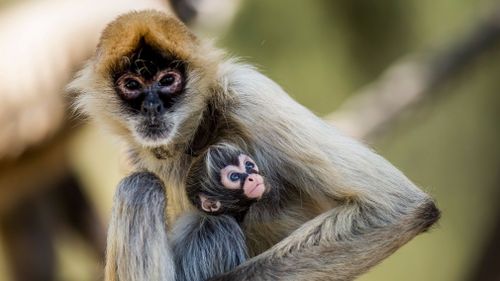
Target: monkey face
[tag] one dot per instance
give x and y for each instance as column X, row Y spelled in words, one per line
column 225, row 180
column 244, row 176
column 149, row 80
column 237, row 186
column 150, row 88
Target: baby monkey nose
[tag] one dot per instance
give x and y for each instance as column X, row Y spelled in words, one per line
column 252, row 178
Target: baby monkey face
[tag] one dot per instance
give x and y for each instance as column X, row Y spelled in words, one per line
column 235, row 185
column 244, row 176
column 226, row 180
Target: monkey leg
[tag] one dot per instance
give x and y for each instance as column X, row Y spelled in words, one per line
column 137, row 247
column 339, row 244
column 206, row 245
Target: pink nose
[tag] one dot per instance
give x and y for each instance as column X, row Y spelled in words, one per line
column 252, row 178
column 254, row 186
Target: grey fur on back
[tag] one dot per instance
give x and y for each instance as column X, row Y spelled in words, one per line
column 206, row 245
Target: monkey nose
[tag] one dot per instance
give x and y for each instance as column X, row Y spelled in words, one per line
column 152, row 106
column 252, row 178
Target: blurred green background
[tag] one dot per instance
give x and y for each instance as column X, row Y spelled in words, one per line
column 323, row 51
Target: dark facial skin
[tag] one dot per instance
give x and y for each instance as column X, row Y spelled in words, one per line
column 151, row 95
column 149, row 87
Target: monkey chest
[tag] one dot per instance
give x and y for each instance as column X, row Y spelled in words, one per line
column 177, row 201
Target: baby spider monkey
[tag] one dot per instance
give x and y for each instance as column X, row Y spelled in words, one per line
column 223, row 183
column 225, row 180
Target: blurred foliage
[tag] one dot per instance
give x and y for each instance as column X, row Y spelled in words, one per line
column 322, row 51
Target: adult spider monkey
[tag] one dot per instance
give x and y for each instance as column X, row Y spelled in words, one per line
column 341, row 207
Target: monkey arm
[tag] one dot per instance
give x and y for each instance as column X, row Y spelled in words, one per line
column 371, row 222
column 345, row 241
column 313, row 252
column 206, row 245
column 378, row 208
column 138, row 248
column 137, row 237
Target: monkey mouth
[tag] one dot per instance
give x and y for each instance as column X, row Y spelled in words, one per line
column 256, row 192
column 154, row 131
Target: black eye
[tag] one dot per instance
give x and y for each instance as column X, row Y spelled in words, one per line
column 234, row 177
column 170, row 81
column 132, row 84
column 167, row 80
column 249, row 165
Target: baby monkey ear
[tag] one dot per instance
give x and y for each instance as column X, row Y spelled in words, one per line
column 209, row 205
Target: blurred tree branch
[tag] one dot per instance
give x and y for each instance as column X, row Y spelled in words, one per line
column 409, row 81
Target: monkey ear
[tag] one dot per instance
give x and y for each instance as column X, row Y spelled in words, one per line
column 209, row 205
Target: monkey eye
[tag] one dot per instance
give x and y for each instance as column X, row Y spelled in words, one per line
column 132, row 84
column 167, row 80
column 129, row 86
column 249, row 165
column 170, row 81
column 234, row 177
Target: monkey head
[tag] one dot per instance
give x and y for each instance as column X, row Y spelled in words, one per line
column 148, row 80
column 225, row 180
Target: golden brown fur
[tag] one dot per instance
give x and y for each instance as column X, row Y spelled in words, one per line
column 341, row 208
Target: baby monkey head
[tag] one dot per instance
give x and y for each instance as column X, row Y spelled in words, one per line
column 225, row 180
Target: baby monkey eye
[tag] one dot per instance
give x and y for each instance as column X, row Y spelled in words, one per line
column 249, row 165
column 234, row 177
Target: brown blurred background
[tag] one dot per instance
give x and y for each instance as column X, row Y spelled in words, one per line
column 57, row 175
